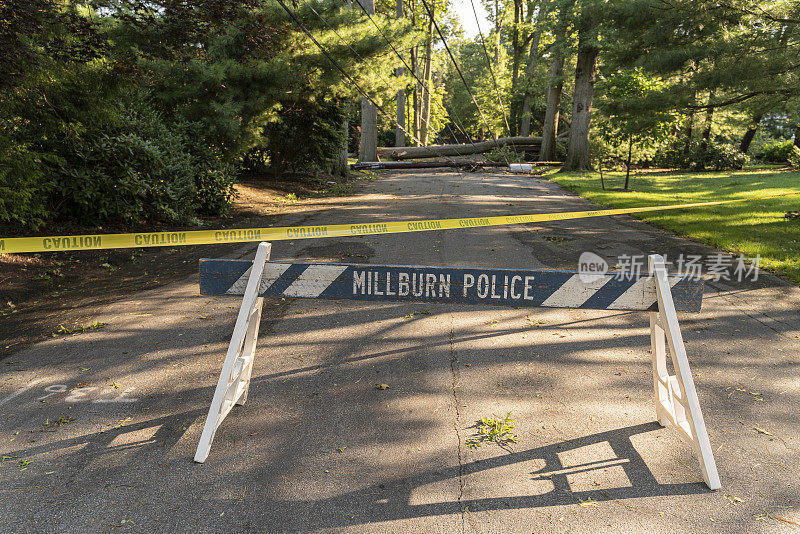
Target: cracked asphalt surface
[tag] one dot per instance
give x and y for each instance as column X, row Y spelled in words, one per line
column 98, row 430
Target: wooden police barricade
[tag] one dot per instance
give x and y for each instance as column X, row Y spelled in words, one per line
column 658, row 293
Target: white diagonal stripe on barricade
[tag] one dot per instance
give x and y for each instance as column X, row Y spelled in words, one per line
column 574, row 292
column 237, row 288
column 642, row 292
column 272, row 271
column 314, row 280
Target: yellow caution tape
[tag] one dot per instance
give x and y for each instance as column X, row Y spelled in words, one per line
column 242, row 235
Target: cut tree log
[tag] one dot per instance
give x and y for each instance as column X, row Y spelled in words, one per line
column 433, row 151
column 376, row 165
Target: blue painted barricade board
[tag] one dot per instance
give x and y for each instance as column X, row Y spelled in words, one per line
column 455, row 285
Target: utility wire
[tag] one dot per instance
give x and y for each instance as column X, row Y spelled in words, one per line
column 351, row 80
column 411, row 71
column 461, row 75
column 489, row 64
column 359, row 56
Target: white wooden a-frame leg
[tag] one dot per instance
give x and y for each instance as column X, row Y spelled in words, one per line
column 675, row 395
column 234, row 380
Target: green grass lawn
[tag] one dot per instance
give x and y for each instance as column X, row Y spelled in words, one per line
column 750, row 228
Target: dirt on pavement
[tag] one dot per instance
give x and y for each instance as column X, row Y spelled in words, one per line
column 43, row 294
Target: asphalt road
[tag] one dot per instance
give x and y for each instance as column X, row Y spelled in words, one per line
column 98, row 430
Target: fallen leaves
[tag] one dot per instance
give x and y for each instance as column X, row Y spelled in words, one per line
column 61, row 421
column 382, row 386
column 734, row 500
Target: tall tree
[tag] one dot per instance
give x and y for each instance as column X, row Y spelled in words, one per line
column 427, row 77
column 368, row 149
column 533, row 39
column 555, row 85
column 585, row 72
column 748, row 136
column 399, row 133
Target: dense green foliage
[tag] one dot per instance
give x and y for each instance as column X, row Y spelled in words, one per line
column 146, row 111
column 707, row 76
column 139, row 110
column 697, row 157
column 303, row 138
column 776, row 152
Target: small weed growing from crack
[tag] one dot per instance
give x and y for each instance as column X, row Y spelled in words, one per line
column 66, row 330
column 493, row 430
column 61, row 421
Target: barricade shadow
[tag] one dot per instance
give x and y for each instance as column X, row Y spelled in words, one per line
column 392, row 499
column 88, row 448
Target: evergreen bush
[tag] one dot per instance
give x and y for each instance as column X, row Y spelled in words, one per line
column 23, row 187
column 775, row 152
column 305, row 137
column 716, row 156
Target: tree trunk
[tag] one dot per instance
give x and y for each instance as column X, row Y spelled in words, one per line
column 525, row 114
column 399, row 132
column 744, row 146
column 427, row 78
column 498, row 24
column 529, row 143
column 585, row 70
column 340, row 165
column 688, row 131
column 600, row 168
column 709, row 121
column 368, row 150
column 516, row 58
column 628, row 163
column 417, row 91
column 554, row 88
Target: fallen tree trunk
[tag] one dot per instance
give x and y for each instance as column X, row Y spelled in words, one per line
column 376, row 165
column 434, row 151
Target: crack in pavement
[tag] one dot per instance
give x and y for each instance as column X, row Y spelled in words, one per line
column 457, row 426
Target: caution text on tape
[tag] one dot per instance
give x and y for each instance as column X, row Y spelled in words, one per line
column 243, row 235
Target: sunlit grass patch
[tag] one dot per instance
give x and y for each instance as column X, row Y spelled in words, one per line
column 756, row 228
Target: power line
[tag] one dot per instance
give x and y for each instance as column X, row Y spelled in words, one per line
column 359, row 56
column 350, row 78
column 411, row 71
column 489, row 64
column 460, row 74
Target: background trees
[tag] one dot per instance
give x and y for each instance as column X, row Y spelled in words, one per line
column 133, row 110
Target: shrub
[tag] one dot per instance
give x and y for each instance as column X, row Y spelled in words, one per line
column 23, row 188
column 718, row 157
column 505, row 154
column 144, row 169
column 673, row 155
column 794, row 157
column 561, row 150
column 303, row 138
column 775, row 152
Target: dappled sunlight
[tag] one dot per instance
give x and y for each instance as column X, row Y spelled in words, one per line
column 320, row 443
